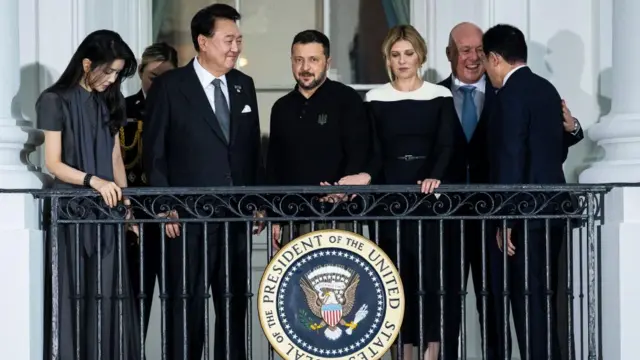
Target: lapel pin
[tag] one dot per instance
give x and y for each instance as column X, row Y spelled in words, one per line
column 238, row 88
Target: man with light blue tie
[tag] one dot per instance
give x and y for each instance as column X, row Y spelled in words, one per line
column 473, row 97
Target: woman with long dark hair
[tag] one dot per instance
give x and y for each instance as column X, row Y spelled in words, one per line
column 80, row 115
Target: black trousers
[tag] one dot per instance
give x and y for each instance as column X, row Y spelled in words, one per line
column 145, row 270
column 471, row 237
column 187, row 300
column 537, row 283
column 409, row 266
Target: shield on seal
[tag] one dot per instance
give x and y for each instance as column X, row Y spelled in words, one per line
column 331, row 314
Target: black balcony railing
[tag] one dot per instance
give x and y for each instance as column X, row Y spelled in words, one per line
column 101, row 276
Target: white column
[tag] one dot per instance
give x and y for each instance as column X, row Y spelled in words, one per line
column 21, row 250
column 620, row 268
column 619, row 132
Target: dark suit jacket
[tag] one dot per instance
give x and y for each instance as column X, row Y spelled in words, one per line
column 183, row 142
column 475, row 152
column 527, row 143
column 130, row 136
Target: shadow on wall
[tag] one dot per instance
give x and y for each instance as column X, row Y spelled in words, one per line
column 33, row 79
column 562, row 62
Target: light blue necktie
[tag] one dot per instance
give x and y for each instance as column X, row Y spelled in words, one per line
column 469, row 111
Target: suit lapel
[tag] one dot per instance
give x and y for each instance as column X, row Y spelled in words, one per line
column 235, row 101
column 194, row 92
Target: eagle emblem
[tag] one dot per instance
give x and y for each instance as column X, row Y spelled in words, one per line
column 330, row 293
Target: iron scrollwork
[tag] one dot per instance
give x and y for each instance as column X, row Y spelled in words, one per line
column 358, row 203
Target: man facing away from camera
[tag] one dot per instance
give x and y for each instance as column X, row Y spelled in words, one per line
column 528, row 146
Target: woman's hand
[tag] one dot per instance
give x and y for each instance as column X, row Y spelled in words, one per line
column 111, row 193
column 428, row 185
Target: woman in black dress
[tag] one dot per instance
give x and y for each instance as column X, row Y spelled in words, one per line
column 80, row 115
column 156, row 59
column 414, row 125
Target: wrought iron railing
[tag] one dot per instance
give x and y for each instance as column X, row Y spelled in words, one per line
column 98, row 298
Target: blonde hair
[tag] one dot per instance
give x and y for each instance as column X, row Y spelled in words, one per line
column 407, row 33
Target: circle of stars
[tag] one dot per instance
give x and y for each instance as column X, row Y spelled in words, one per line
column 380, row 301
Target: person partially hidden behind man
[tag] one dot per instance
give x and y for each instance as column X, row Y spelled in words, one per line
column 319, row 131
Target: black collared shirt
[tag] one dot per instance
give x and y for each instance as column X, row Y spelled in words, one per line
column 322, row 138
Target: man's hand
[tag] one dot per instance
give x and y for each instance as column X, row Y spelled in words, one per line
column 511, row 250
column 569, row 122
column 276, row 232
column 172, row 229
column 132, row 226
column 357, row 179
column 349, row 180
column 258, row 225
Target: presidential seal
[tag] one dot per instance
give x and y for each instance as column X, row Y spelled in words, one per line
column 331, row 294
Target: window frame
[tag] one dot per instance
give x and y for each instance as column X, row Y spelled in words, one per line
column 419, row 15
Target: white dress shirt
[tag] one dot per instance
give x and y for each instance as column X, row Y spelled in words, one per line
column 206, row 80
column 506, row 77
column 458, row 96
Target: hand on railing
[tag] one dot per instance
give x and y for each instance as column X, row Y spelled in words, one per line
column 428, row 185
column 172, row 229
column 511, row 249
column 111, row 193
column 357, row 179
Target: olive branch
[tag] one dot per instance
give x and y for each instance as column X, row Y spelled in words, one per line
column 305, row 319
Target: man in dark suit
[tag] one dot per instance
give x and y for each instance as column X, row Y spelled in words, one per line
column 473, row 97
column 527, row 146
column 203, row 130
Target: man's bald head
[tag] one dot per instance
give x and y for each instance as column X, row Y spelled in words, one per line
column 463, row 52
column 464, row 29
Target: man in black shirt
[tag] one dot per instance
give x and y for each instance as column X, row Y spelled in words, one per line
column 319, row 131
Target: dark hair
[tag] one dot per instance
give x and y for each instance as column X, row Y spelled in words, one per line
column 204, row 21
column 159, row 52
column 313, row 36
column 507, row 41
column 102, row 47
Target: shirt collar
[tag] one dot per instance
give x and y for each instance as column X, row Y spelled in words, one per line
column 504, row 82
column 323, row 85
column 479, row 85
column 205, row 76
